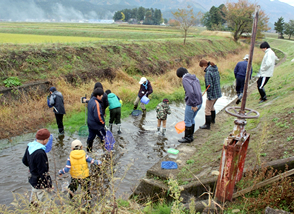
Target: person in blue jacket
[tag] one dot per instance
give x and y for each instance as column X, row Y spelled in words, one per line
column 145, row 90
column 240, row 75
column 96, row 122
column 115, row 110
column 193, row 99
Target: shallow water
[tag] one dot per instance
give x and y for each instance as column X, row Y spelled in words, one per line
column 139, row 146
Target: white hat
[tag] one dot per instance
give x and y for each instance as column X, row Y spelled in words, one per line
column 142, row 80
column 246, row 56
column 76, row 143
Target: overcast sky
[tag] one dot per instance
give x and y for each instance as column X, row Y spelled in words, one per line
column 291, row 2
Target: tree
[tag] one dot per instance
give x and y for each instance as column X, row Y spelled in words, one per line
column 239, row 17
column 186, row 19
column 289, row 28
column 279, row 27
column 214, row 18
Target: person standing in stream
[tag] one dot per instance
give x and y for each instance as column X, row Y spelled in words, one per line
column 145, row 89
column 193, row 99
column 212, row 83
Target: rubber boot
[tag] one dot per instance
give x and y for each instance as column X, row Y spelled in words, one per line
column 207, row 122
column 144, row 111
column 212, row 116
column 89, row 145
column 158, row 130
column 192, row 132
column 188, row 135
column 135, row 107
column 119, row 129
column 163, row 131
column 110, row 126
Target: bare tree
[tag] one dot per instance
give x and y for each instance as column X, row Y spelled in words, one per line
column 186, row 18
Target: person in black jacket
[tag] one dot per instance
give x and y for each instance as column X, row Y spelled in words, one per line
column 145, row 89
column 96, row 122
column 56, row 101
column 36, row 159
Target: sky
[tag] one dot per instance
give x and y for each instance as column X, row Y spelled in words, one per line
column 291, row 2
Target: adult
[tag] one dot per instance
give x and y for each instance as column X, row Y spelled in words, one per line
column 193, row 99
column 96, row 122
column 266, row 69
column 212, row 83
column 36, row 159
column 240, row 75
column 145, row 90
column 55, row 100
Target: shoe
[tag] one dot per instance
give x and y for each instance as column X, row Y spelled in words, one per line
column 238, row 101
column 261, row 101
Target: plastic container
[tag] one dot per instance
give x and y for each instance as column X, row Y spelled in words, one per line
column 173, row 153
column 145, row 100
column 169, row 165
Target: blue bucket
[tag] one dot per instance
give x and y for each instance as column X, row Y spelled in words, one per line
column 145, row 100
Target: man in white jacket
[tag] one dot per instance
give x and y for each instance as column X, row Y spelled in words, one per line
column 266, row 69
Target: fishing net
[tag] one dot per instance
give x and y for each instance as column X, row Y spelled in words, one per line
column 109, row 141
column 136, row 112
column 83, row 131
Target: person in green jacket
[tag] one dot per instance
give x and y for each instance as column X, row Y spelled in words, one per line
column 115, row 110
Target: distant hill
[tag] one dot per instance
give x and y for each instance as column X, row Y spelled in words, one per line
column 22, row 10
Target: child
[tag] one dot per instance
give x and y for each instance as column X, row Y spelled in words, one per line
column 78, row 168
column 114, row 109
column 162, row 110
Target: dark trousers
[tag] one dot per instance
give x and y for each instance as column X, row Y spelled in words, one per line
column 93, row 132
column 85, row 185
column 261, row 82
column 115, row 115
column 59, row 119
column 240, row 84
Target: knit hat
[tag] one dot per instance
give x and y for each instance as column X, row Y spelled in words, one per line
column 142, row 80
column 76, row 143
column 165, row 100
column 181, row 72
column 246, row 56
column 42, row 134
column 52, row 89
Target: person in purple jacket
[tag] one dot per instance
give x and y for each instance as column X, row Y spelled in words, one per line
column 145, row 89
column 193, row 99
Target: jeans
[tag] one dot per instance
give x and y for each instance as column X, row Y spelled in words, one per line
column 190, row 115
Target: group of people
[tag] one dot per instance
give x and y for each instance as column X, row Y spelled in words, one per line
column 35, row 155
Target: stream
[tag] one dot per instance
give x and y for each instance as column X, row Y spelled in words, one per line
column 139, row 147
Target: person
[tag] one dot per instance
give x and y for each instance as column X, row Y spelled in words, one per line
column 266, row 69
column 162, row 110
column 145, row 90
column 77, row 166
column 212, row 83
column 96, row 122
column 193, row 99
column 55, row 100
column 115, row 110
column 36, row 159
column 240, row 75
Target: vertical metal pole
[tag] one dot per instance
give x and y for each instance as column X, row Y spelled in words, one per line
column 249, row 65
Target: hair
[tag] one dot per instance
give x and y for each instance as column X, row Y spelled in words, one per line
column 204, row 63
column 108, row 91
column 77, row 147
column 98, row 85
column 264, row 45
column 98, row 92
column 181, row 72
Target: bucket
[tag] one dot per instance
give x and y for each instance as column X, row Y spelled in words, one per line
column 145, row 100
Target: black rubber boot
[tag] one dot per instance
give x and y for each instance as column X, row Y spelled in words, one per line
column 212, row 116
column 89, row 145
column 135, row 107
column 188, row 135
column 207, row 122
column 110, row 127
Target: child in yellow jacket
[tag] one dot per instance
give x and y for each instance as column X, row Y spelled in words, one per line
column 78, row 168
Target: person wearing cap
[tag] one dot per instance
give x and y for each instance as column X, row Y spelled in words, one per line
column 55, row 100
column 36, row 159
column 266, row 69
column 193, row 99
column 162, row 110
column 114, row 110
column 212, row 83
column 96, row 122
column 145, row 90
column 240, row 75
column 77, row 166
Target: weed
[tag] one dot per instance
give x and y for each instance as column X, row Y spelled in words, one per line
column 190, row 161
column 290, row 138
column 12, row 81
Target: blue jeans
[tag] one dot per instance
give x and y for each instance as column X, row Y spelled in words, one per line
column 190, row 115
